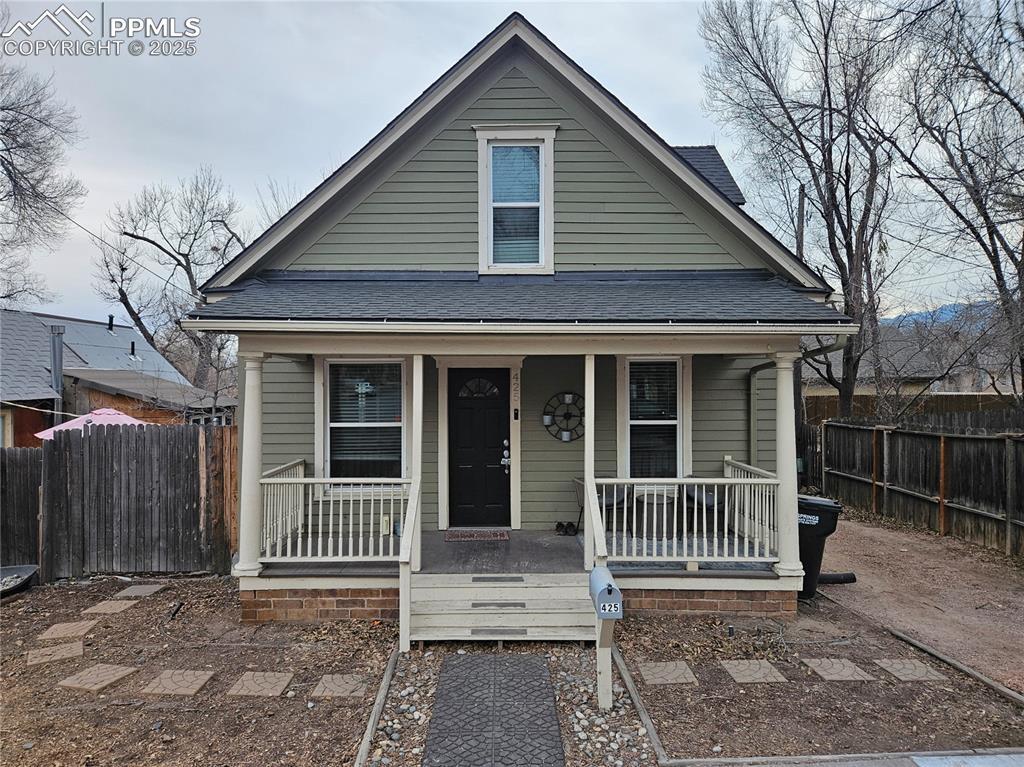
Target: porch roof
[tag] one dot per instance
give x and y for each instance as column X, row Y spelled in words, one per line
column 713, row 297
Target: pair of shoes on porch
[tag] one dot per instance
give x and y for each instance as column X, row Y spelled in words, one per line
column 565, row 528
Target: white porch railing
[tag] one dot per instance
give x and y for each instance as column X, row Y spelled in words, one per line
column 408, row 563
column 331, row 520
column 727, row 519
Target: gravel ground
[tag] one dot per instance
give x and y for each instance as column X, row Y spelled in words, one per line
column 963, row 600
column 591, row 737
column 806, row 715
column 46, row 725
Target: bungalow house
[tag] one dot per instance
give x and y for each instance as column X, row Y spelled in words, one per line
column 516, row 309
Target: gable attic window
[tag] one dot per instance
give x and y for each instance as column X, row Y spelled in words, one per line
column 516, row 180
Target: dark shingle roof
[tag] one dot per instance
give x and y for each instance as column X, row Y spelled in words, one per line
column 24, row 358
column 709, row 163
column 691, row 297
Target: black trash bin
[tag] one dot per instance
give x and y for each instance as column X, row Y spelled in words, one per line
column 817, row 521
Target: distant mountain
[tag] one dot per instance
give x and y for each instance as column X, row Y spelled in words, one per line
column 944, row 313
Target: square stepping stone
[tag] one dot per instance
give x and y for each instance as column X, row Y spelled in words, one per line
column 261, row 684
column 68, row 630
column 109, row 607
column 838, row 670
column 139, row 591
column 178, row 682
column 340, row 686
column 671, row 672
column 54, row 652
column 96, row 678
column 752, row 671
column 910, row 670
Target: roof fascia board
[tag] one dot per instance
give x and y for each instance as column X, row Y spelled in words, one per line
column 516, row 27
column 525, row 328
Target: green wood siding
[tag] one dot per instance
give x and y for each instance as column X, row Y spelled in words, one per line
column 613, row 209
column 721, row 408
column 288, row 425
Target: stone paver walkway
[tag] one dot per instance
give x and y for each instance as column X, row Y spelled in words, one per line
column 910, row 670
column 109, row 607
column 96, row 678
column 178, row 682
column 54, row 652
column 139, row 591
column 494, row 710
column 340, row 686
column 671, row 672
column 261, row 684
column 838, row 670
column 752, row 671
column 68, row 630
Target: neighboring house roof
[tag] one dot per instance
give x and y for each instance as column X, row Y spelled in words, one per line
column 25, row 358
column 169, row 395
column 904, row 355
column 102, row 347
column 93, row 352
column 707, row 161
column 516, row 29
column 740, row 296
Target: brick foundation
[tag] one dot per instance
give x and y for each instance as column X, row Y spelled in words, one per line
column 308, row 605
column 670, row 601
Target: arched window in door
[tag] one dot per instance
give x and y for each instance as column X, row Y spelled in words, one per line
column 478, row 388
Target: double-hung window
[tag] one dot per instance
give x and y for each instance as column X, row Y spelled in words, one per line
column 516, row 219
column 654, row 418
column 365, row 426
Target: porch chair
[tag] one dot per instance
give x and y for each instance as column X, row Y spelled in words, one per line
column 617, row 499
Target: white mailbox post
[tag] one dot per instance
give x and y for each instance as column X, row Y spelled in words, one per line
column 608, row 608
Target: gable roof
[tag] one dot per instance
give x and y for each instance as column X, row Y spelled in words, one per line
column 88, row 345
column 516, row 29
column 708, row 162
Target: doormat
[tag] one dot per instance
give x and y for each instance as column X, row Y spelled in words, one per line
column 475, row 535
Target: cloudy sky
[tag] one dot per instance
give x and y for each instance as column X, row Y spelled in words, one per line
column 289, row 90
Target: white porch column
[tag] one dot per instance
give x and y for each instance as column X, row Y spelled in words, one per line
column 250, row 496
column 785, row 466
column 417, row 452
column 589, row 420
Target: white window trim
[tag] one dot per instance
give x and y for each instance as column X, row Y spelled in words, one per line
column 7, row 438
column 321, row 415
column 542, row 135
column 684, row 411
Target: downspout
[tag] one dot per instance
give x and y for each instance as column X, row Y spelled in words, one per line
column 57, row 370
column 819, row 351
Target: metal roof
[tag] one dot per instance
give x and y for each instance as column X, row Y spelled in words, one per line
column 708, row 162
column 739, row 296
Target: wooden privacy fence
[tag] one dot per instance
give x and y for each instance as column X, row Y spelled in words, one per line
column 21, row 469
column 137, row 499
column 970, row 486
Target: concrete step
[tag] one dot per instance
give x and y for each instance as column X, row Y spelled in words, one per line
column 490, row 634
column 502, row 606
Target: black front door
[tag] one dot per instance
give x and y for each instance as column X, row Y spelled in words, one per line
column 478, row 434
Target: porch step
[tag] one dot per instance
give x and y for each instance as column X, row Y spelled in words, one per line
column 486, row 607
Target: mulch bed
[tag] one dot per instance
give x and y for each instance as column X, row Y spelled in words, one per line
column 46, row 725
column 718, row 717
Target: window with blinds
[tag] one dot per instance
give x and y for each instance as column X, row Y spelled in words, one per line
column 654, row 418
column 365, row 419
column 515, row 204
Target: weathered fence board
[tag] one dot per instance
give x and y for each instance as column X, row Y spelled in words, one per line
column 965, row 485
column 20, row 472
column 136, row 499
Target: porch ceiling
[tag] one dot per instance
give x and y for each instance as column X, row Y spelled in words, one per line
column 696, row 297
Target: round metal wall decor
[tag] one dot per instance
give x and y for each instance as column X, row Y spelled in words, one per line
column 563, row 416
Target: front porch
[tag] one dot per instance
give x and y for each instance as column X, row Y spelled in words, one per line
column 731, row 529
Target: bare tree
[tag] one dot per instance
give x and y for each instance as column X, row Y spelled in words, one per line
column 273, row 199
column 167, row 241
column 796, row 79
column 36, row 193
column 959, row 135
column 19, row 284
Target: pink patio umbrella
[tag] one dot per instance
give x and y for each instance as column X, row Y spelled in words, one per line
column 104, row 416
